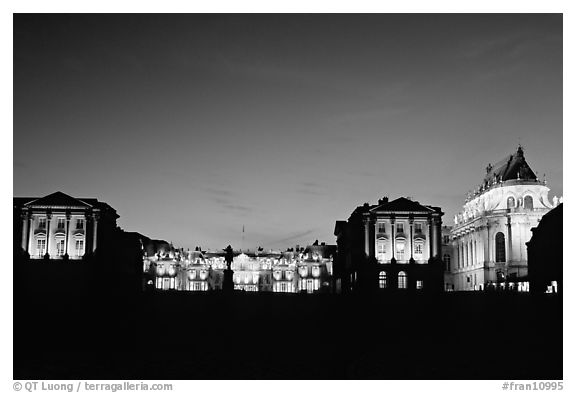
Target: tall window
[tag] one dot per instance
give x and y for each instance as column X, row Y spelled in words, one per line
column 402, row 281
column 510, row 203
column 41, row 246
column 418, row 248
column 42, row 223
column 500, row 247
column 528, row 202
column 80, row 223
column 61, row 223
column 60, row 250
column 418, row 227
column 381, row 227
column 79, row 247
column 399, row 228
column 381, row 248
column 446, row 239
column 400, row 250
column 446, row 259
column 382, row 279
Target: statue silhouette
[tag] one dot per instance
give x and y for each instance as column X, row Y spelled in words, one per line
column 228, row 284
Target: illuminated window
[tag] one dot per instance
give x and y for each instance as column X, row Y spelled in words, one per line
column 79, row 247
column 402, row 280
column 310, row 285
column 41, row 246
column 381, row 227
column 528, row 202
column 400, row 250
column 418, row 228
column 510, row 202
column 80, row 223
column 382, row 280
column 61, row 223
column 42, row 223
column 316, row 271
column 60, row 251
column 382, row 247
column 400, row 228
column 418, row 248
column 500, row 247
column 419, row 284
column 381, row 250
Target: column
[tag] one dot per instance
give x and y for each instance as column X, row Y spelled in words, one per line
column 473, row 244
column 437, row 235
column 95, row 234
column 25, row 224
column 393, row 227
column 48, row 219
column 411, row 223
column 457, row 249
column 67, row 251
column 430, row 239
column 509, row 242
column 366, row 236
column 375, row 247
column 30, row 232
column 488, row 242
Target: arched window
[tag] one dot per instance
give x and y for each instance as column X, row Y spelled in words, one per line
column 500, row 247
column 510, row 203
column 382, row 280
column 528, row 202
column 446, row 259
column 402, row 280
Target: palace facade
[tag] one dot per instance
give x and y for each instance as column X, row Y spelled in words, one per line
column 59, row 226
column 295, row 270
column 392, row 245
column 490, row 233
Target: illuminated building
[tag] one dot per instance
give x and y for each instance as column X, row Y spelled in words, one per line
column 59, row 226
column 392, row 245
column 64, row 244
column 306, row 269
column 315, row 268
column 490, row 233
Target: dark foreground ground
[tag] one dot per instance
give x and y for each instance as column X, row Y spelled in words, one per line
column 271, row 336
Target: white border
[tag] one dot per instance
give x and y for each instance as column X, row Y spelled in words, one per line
column 247, row 6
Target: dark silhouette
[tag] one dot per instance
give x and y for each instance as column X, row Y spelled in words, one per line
column 545, row 252
column 228, row 284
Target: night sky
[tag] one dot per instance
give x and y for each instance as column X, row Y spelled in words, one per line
column 192, row 126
